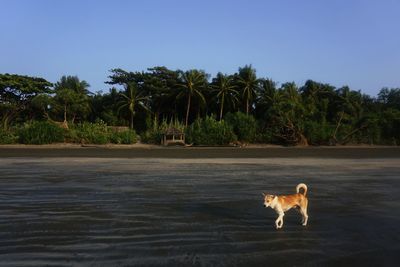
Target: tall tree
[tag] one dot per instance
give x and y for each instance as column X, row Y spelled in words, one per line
column 289, row 115
column 105, row 107
column 225, row 91
column 248, row 85
column 159, row 84
column 43, row 102
column 191, row 84
column 71, row 95
column 348, row 106
column 267, row 95
column 316, row 95
column 131, row 99
column 16, row 94
column 390, row 97
column 122, row 77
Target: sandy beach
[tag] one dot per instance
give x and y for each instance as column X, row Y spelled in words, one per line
column 154, row 151
column 99, row 206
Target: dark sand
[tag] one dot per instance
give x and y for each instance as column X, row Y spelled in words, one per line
column 93, row 151
column 197, row 207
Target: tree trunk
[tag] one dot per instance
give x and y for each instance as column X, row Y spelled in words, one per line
column 46, row 115
column 131, row 124
column 337, row 127
column 348, row 136
column 65, row 113
column 187, row 110
column 302, row 140
column 6, row 120
column 222, row 108
column 247, row 107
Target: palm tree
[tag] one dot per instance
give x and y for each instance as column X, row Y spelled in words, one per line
column 316, row 97
column 225, row 91
column 72, row 94
column 267, row 92
column 131, row 99
column 268, row 96
column 73, row 83
column 66, row 98
column 289, row 113
column 248, row 83
column 192, row 82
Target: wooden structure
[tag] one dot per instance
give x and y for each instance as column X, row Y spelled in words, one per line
column 118, row 129
column 173, row 136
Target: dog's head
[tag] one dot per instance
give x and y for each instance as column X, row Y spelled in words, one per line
column 268, row 200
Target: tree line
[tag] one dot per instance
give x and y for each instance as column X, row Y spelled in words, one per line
column 314, row 113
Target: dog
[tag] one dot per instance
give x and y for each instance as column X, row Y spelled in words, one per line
column 284, row 203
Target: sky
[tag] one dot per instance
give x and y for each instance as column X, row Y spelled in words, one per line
column 341, row 42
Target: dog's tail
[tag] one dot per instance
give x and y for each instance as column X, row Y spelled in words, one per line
column 301, row 186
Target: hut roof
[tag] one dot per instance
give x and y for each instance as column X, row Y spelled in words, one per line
column 173, row 131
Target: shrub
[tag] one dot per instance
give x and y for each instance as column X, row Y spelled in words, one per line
column 318, row 133
column 151, row 136
column 208, row 131
column 90, row 133
column 41, row 132
column 265, row 137
column 244, row 126
column 125, row 137
column 7, row 137
column 390, row 126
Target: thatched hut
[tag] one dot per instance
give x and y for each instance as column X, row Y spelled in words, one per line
column 173, row 136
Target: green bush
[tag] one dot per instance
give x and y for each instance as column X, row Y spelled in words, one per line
column 244, row 126
column 125, row 137
column 151, row 136
column 318, row 133
column 7, row 137
column 41, row 132
column 208, row 131
column 390, row 126
column 90, row 133
column 98, row 133
column 265, row 137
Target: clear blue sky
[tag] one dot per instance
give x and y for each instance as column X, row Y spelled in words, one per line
column 341, row 42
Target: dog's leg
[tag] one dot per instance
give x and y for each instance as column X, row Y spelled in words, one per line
column 303, row 210
column 279, row 221
column 305, row 218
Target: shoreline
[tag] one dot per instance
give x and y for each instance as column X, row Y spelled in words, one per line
column 152, row 146
column 155, row 151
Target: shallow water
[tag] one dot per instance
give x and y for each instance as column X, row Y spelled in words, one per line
column 196, row 212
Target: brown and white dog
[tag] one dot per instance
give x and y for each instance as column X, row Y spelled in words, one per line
column 284, row 203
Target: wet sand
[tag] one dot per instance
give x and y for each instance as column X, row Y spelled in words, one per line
column 150, row 151
column 197, row 209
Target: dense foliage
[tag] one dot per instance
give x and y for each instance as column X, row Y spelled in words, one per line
column 40, row 132
column 211, row 110
column 208, row 131
column 244, row 126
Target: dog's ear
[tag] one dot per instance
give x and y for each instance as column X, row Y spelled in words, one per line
column 263, row 194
